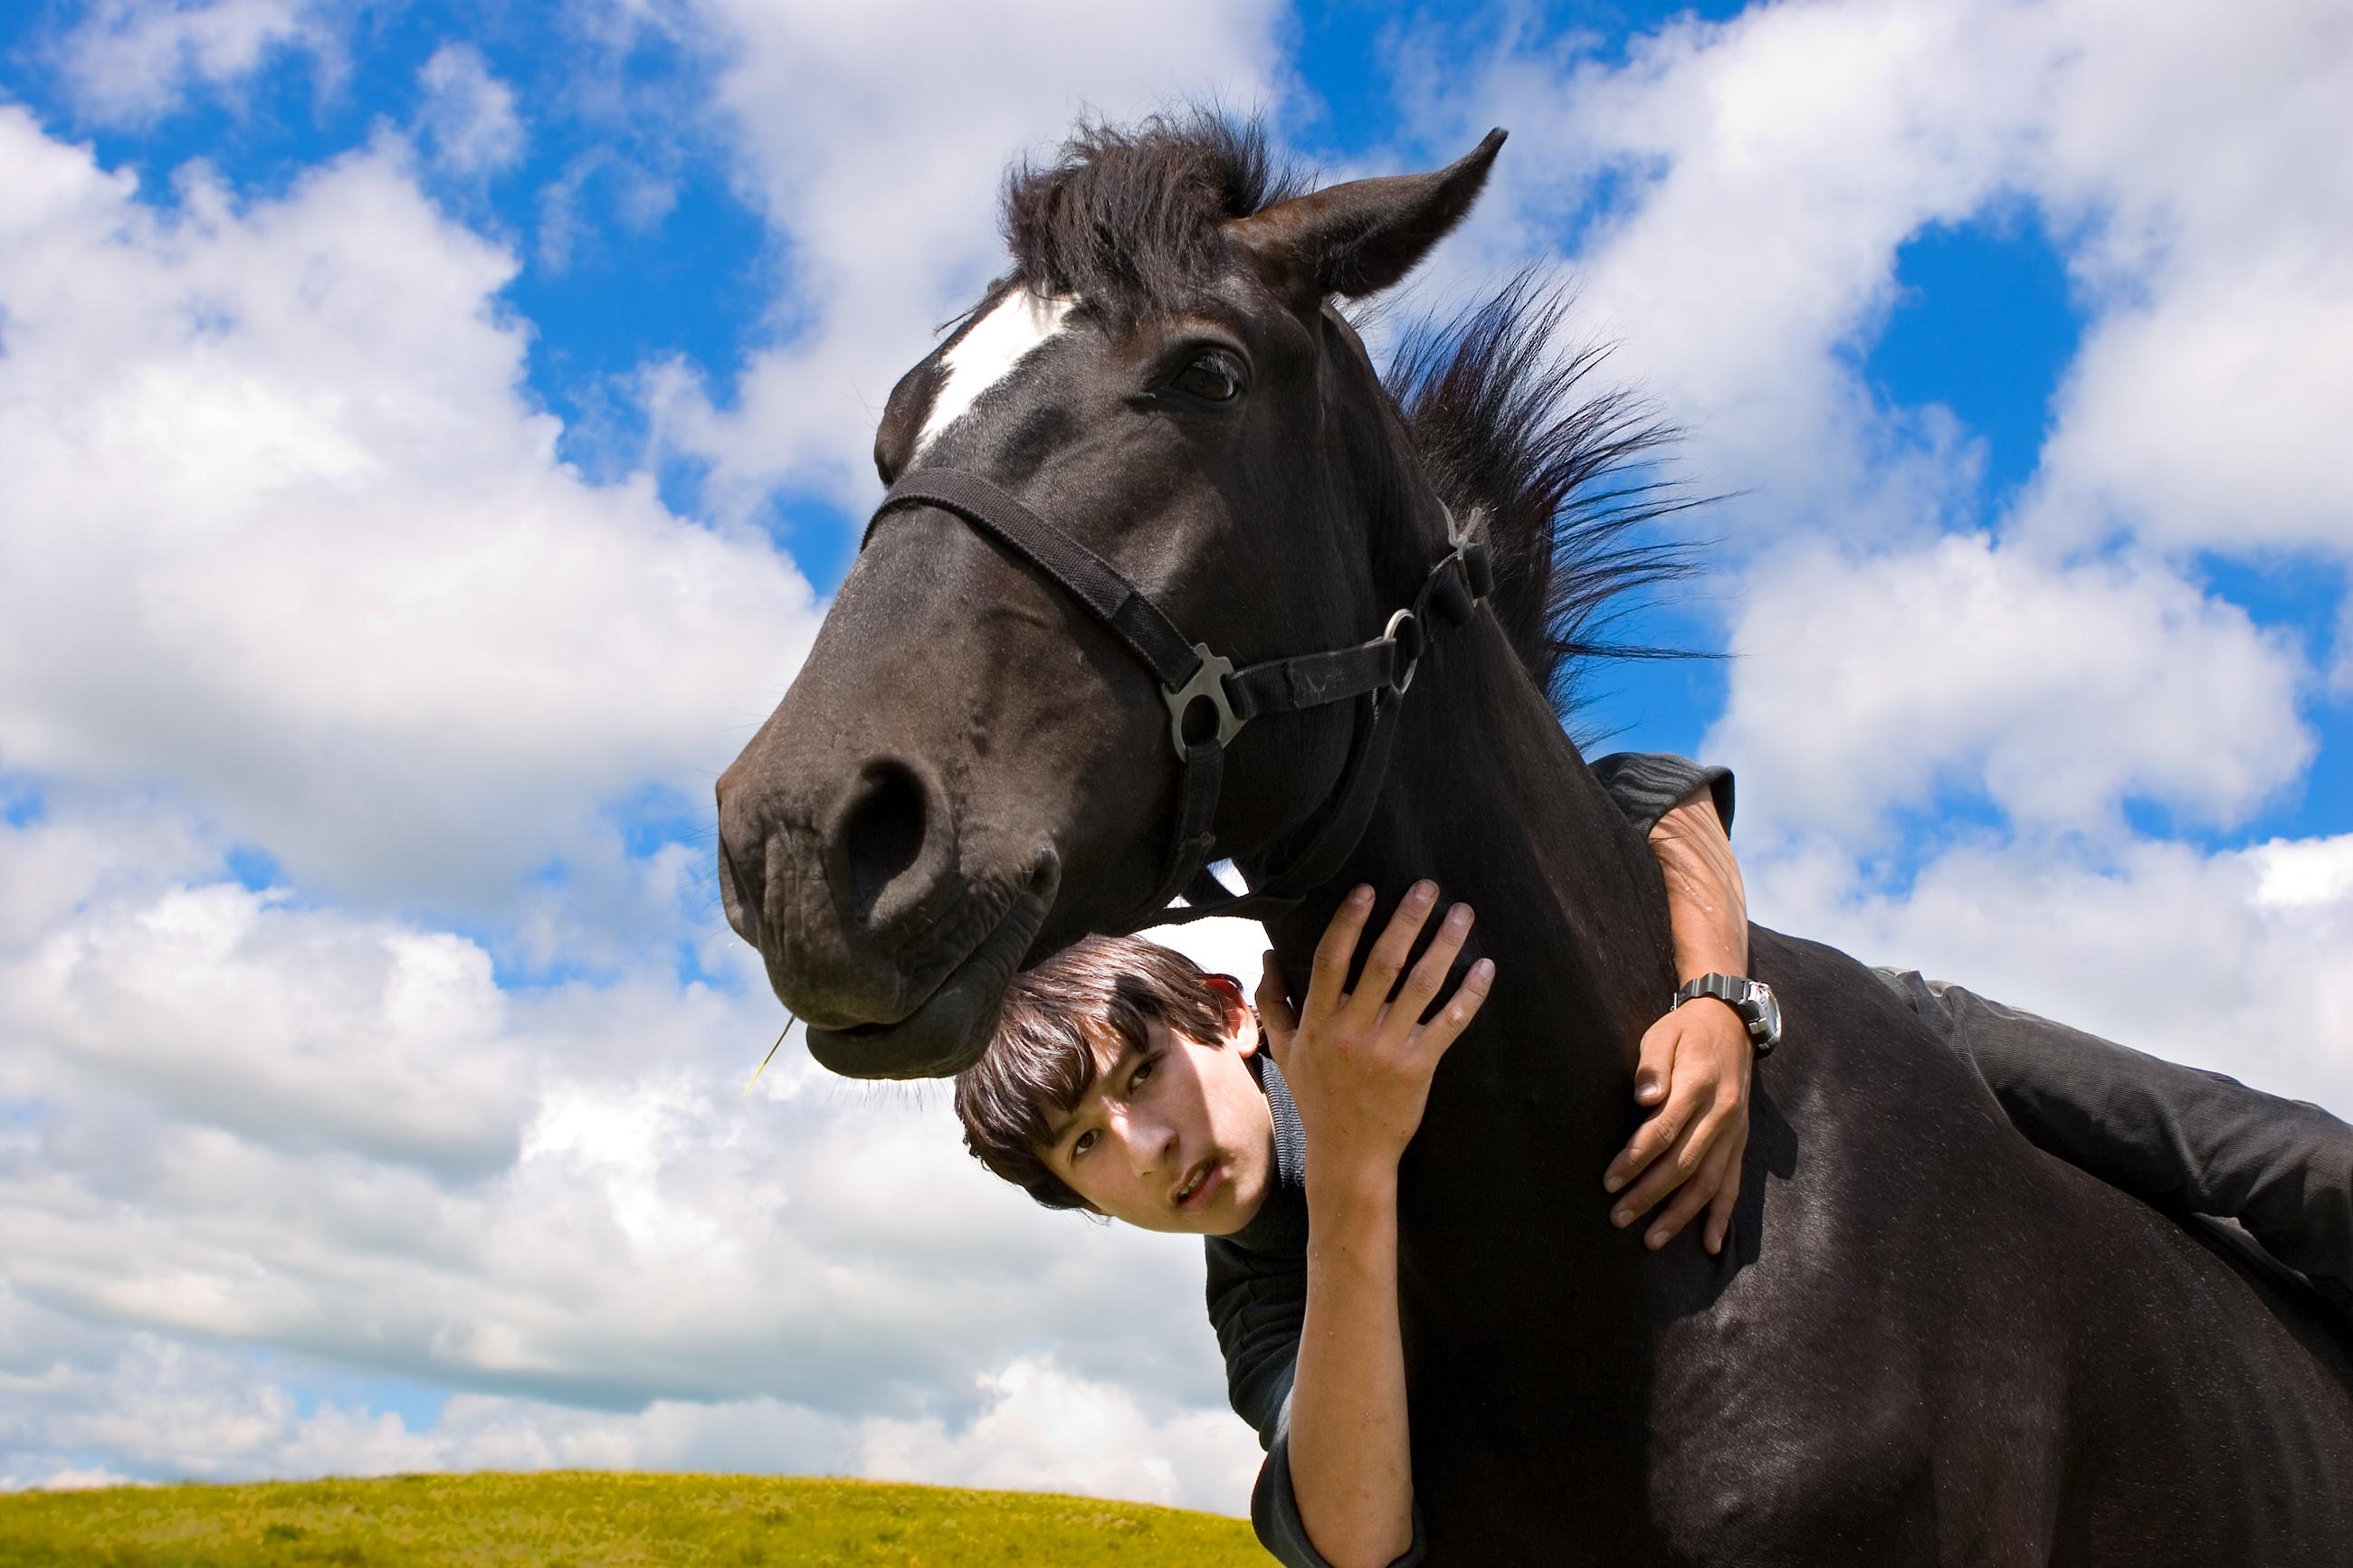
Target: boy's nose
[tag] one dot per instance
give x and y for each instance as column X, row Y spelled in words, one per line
column 1148, row 1144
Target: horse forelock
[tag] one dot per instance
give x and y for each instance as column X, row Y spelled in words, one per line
column 1131, row 217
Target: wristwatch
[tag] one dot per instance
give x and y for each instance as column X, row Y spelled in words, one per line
column 1752, row 999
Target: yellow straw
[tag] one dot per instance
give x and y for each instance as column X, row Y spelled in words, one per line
column 771, row 1055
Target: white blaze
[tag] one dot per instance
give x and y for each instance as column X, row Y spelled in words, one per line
column 998, row 342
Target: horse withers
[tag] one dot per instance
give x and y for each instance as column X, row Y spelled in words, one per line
column 1928, row 1342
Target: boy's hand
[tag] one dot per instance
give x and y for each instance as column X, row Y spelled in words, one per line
column 1359, row 1063
column 1696, row 1060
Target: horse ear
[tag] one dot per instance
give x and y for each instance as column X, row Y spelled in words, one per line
column 1359, row 237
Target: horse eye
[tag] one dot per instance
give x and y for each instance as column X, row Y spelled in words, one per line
column 1208, row 379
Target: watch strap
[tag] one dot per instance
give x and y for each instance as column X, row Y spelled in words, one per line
column 1751, row 999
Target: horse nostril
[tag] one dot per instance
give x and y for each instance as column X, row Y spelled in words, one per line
column 739, row 894
column 882, row 832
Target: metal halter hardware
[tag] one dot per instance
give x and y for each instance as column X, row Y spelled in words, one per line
column 1378, row 672
column 1404, row 621
column 1208, row 683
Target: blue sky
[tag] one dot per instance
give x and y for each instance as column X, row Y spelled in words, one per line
column 429, row 475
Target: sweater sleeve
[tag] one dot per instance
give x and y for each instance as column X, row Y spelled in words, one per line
column 1257, row 1302
column 1274, row 1508
column 1646, row 786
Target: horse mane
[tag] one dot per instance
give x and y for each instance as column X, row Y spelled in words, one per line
column 1566, row 477
column 1128, row 216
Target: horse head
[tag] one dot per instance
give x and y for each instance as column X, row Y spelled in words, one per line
column 974, row 768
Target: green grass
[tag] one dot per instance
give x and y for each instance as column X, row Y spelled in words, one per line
column 572, row 1518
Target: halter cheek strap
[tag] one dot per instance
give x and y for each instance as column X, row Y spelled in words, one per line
column 1191, row 674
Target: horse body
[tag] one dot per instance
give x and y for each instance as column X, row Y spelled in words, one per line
column 1927, row 1343
column 1939, row 1339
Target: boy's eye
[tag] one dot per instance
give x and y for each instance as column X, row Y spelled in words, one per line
column 1143, row 1071
column 1082, row 1143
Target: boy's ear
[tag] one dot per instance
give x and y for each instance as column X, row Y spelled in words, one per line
column 1242, row 1021
column 1359, row 237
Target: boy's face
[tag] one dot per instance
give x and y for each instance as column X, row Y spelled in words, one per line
column 1174, row 1136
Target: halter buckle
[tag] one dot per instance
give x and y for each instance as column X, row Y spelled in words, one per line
column 1405, row 630
column 1209, row 681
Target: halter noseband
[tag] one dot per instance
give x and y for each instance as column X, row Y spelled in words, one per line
column 1189, row 673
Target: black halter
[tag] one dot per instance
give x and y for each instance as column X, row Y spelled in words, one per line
column 1189, row 674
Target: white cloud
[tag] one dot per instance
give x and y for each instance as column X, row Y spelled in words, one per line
column 2184, row 144
column 1864, row 685
column 74, row 857
column 468, row 119
column 879, row 165
column 1043, row 1429
column 131, row 61
column 2295, row 874
column 293, row 1028
column 311, row 557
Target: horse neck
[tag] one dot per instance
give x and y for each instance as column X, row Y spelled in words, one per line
column 1487, row 796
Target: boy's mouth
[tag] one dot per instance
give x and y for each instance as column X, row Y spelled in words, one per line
column 1200, row 1183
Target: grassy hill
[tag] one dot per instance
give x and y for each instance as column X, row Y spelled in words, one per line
column 585, row 1520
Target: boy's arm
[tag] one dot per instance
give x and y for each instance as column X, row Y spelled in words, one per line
column 1696, row 1060
column 1358, row 1066
column 1350, row 1454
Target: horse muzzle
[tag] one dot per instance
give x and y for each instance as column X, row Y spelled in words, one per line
column 873, row 928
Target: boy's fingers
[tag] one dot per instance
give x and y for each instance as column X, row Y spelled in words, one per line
column 1327, row 982
column 1420, row 988
column 1720, row 1207
column 1274, row 1016
column 1460, row 1008
column 1670, row 1125
column 1655, row 1069
column 1654, row 1178
column 1706, row 1134
column 1272, row 985
column 1650, row 1139
column 1666, row 1157
column 1389, row 951
column 1693, row 1197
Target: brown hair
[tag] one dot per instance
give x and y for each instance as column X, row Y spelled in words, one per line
column 1103, row 991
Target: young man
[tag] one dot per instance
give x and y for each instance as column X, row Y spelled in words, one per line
column 1124, row 1081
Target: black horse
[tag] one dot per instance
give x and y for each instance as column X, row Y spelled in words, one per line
column 1928, row 1342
